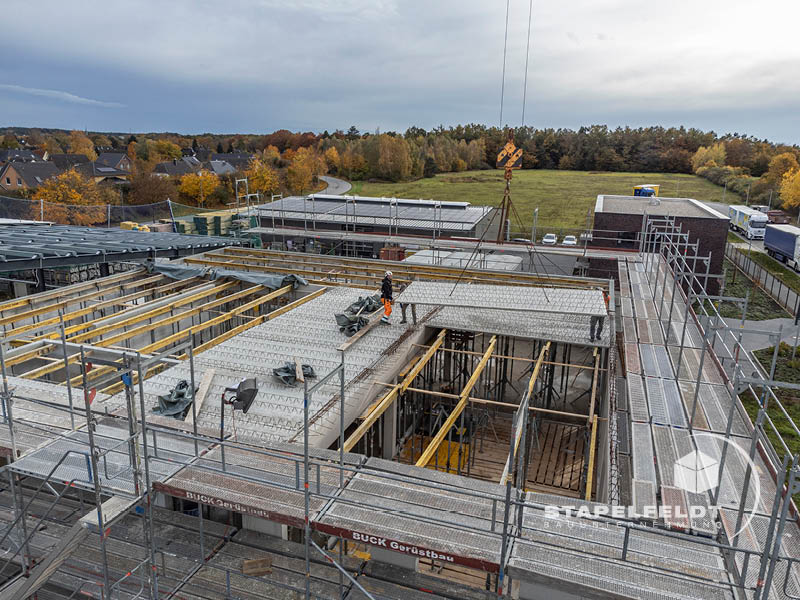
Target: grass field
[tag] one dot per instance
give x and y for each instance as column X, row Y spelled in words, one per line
column 776, row 268
column 563, row 197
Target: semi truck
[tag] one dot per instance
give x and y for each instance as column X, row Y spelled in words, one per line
column 782, row 242
column 748, row 221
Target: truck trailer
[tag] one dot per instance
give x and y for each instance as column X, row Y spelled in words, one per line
column 782, row 242
column 748, row 221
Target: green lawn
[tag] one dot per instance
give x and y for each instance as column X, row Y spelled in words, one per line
column 563, row 197
column 785, row 275
column 788, row 370
column 759, row 308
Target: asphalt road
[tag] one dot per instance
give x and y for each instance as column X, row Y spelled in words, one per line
column 336, row 187
column 757, row 245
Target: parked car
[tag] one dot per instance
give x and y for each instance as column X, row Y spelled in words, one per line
column 521, row 240
column 550, row 239
column 570, row 240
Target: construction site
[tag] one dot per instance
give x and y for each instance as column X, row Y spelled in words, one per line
column 239, row 424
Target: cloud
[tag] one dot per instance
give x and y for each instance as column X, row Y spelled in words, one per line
column 59, row 95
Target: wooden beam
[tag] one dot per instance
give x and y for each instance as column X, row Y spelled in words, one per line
column 390, row 397
column 594, row 384
column 150, row 314
column 192, row 330
column 509, row 467
column 92, row 308
column 590, row 472
column 220, row 338
column 202, row 392
column 511, row 405
column 93, row 284
column 437, row 440
column 28, row 314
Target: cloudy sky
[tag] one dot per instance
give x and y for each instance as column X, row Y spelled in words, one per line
column 253, row 66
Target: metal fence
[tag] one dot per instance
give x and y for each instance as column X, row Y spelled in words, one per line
column 784, row 295
column 101, row 215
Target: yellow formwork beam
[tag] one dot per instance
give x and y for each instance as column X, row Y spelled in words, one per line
column 518, row 436
column 594, row 383
column 35, row 312
column 155, row 312
column 111, row 279
column 44, row 370
column 513, row 278
column 93, row 308
column 220, row 338
column 190, row 331
column 590, row 472
column 390, row 397
column 459, row 408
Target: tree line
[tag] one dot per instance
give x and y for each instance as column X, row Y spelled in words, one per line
column 291, row 162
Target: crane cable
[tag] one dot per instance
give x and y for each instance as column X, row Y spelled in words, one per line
column 527, row 57
column 503, row 81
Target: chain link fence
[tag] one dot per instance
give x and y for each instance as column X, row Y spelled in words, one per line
column 784, row 295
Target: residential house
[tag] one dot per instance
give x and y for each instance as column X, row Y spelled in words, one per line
column 118, row 160
column 177, row 167
column 102, row 173
column 238, row 160
column 18, row 175
column 219, row 167
column 17, row 155
column 64, row 162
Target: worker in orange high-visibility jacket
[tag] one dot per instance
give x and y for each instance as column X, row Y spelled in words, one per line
column 386, row 296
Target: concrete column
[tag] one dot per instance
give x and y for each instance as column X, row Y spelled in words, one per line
column 389, row 431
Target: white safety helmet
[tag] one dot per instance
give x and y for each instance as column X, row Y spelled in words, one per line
column 388, row 273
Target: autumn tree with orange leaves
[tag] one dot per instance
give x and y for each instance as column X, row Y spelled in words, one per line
column 71, row 199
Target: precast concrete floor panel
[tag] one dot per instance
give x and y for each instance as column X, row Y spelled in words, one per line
column 499, row 297
column 308, row 334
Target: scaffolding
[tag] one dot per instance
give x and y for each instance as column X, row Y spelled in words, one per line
column 114, row 462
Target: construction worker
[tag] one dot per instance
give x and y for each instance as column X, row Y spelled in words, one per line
column 597, row 321
column 386, row 296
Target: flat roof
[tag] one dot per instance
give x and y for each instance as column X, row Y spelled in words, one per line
column 637, row 205
column 361, row 210
column 40, row 247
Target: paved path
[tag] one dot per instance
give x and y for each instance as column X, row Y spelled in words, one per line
column 753, row 341
column 336, row 187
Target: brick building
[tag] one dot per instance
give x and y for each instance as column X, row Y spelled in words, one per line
column 618, row 222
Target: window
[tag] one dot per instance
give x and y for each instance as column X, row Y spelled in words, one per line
column 8, row 180
column 19, row 181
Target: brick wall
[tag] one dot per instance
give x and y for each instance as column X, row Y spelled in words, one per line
column 710, row 233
